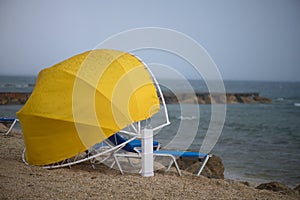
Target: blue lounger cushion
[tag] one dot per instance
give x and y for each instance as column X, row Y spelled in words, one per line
column 117, row 139
column 4, row 119
column 186, row 154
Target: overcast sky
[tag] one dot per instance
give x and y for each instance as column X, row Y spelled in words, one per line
column 248, row 40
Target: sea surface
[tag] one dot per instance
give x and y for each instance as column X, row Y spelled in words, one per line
column 259, row 142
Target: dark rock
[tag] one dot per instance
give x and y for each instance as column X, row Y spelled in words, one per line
column 245, row 183
column 214, row 168
column 246, row 99
column 170, row 97
column 260, row 99
column 297, row 189
column 201, row 100
column 231, row 99
column 187, row 98
column 209, row 99
column 220, row 98
column 276, row 187
column 3, row 101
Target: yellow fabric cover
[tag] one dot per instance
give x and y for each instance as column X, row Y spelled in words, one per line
column 82, row 101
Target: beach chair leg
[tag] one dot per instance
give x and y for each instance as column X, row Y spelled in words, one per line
column 158, row 147
column 113, row 164
column 176, row 165
column 173, row 160
column 118, row 164
column 170, row 164
column 11, row 127
column 129, row 161
column 203, row 164
column 94, row 161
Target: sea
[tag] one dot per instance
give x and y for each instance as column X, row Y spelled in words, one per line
column 259, row 142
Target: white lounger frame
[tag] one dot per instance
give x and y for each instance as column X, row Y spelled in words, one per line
column 11, row 126
column 87, row 157
column 172, row 161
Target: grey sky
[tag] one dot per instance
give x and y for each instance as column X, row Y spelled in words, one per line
column 248, row 40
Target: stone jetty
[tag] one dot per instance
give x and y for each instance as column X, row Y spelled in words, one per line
column 170, row 97
column 13, row 98
column 209, row 98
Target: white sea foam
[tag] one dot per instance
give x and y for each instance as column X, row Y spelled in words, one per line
column 297, row 104
column 187, row 118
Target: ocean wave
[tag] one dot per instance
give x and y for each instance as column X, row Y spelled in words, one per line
column 12, row 85
column 186, row 118
column 297, row 104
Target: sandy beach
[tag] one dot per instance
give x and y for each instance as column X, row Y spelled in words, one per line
column 19, row 181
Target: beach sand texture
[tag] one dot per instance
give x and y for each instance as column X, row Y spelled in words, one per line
column 19, row 181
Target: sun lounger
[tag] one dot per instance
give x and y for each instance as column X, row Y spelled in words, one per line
column 173, row 154
column 11, row 121
column 135, row 147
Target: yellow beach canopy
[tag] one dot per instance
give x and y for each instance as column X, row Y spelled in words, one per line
column 82, row 101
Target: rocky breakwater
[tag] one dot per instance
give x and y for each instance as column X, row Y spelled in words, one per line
column 170, row 97
column 207, row 98
column 13, row 98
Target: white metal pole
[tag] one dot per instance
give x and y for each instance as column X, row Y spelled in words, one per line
column 147, row 153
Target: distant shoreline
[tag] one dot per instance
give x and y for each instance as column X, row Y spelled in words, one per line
column 7, row 98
